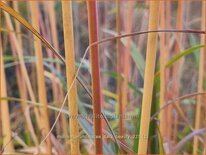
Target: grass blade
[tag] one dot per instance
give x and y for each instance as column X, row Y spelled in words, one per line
column 95, row 74
column 70, row 71
column 149, row 77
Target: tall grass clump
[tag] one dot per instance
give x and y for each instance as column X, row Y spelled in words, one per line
column 65, row 90
column 25, row 76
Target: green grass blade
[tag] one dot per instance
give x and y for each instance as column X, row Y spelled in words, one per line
column 181, row 55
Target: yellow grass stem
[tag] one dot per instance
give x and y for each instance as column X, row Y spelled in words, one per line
column 70, row 72
column 149, row 77
column 5, row 120
column 44, row 116
column 200, row 84
column 162, row 70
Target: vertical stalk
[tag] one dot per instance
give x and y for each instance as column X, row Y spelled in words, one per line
column 20, row 82
column 149, row 77
column 168, row 94
column 50, row 55
column 95, row 74
column 5, row 120
column 126, row 66
column 40, row 75
column 45, row 29
column 205, row 65
column 119, row 70
column 70, row 72
column 162, row 70
column 1, row 62
column 54, row 35
column 177, row 67
column 204, row 3
column 200, row 83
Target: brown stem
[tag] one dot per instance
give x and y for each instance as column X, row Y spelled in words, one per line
column 95, row 74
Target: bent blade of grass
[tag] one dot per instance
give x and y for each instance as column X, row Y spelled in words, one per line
column 181, row 55
column 22, row 64
column 136, row 56
column 17, row 16
column 134, row 52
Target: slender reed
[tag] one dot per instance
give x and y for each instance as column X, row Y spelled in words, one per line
column 54, row 36
column 95, row 74
column 204, row 3
column 44, row 28
column 20, row 82
column 162, row 70
column 119, row 69
column 70, row 72
column 177, row 67
column 167, row 77
column 200, row 84
column 149, row 77
column 126, row 66
column 44, row 116
column 5, row 118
